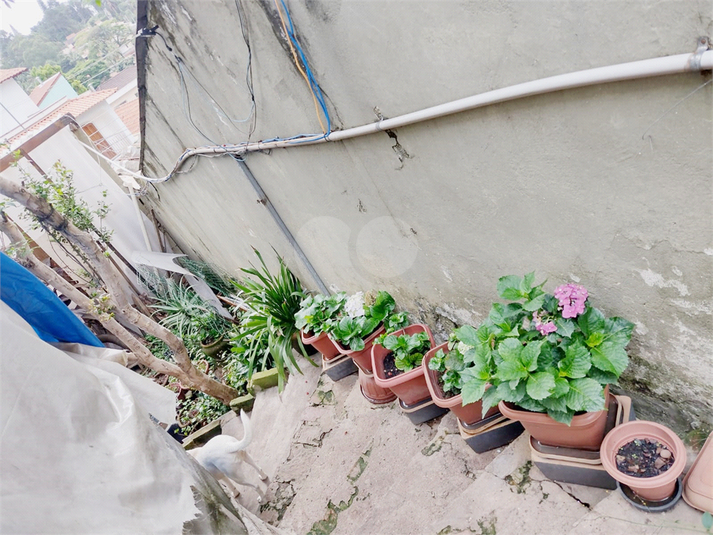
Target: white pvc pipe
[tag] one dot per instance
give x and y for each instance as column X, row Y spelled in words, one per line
column 680, row 63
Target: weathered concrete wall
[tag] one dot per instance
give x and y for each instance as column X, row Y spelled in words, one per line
column 609, row 185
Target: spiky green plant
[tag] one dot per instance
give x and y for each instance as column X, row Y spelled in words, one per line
column 272, row 302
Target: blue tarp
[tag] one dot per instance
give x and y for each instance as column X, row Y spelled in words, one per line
column 38, row 306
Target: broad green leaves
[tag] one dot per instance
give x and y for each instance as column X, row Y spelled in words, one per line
column 560, row 372
column 408, row 350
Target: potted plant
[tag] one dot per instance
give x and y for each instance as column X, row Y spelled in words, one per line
column 363, row 319
column 397, row 362
column 272, row 302
column 444, row 368
column 316, row 317
column 646, row 457
column 549, row 359
column 189, row 316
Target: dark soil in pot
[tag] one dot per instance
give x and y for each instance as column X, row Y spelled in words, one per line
column 644, row 458
column 390, row 369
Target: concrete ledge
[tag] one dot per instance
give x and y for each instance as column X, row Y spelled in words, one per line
column 245, row 403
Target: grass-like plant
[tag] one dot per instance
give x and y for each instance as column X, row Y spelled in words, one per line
column 272, row 302
column 186, row 313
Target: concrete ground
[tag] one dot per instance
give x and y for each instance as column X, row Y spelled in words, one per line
column 338, row 464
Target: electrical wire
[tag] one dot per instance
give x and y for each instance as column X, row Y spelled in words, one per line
column 309, row 78
column 249, row 69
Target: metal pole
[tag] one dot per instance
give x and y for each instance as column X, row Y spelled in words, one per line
column 263, row 199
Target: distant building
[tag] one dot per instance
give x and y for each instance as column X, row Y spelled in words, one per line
column 15, row 106
column 53, row 89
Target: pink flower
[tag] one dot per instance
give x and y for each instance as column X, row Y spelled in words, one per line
column 572, row 298
column 544, row 328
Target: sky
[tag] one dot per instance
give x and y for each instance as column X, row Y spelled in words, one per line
column 22, row 15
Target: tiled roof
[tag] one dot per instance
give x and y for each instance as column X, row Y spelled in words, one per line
column 120, row 79
column 74, row 107
column 40, row 92
column 128, row 112
column 6, row 74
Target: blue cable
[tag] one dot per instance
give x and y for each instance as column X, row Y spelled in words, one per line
column 313, row 83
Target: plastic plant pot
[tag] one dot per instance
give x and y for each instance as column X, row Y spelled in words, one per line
column 363, row 357
column 586, row 431
column 321, row 343
column 468, row 414
column 657, row 488
column 410, row 387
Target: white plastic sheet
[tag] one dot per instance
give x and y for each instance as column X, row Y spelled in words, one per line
column 79, row 453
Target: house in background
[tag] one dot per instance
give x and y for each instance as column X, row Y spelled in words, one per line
column 125, row 102
column 61, row 132
column 15, row 105
column 55, row 88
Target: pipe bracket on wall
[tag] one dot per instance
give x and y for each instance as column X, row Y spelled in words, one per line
column 704, row 44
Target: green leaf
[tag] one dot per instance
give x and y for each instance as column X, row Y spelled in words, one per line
column 540, row 385
column 531, row 405
column 561, row 387
column 577, row 361
column 454, row 361
column 510, row 350
column 507, row 392
column 527, row 281
column 595, row 339
column 511, row 371
column 584, row 394
column 509, row 287
column 555, row 404
column 490, row 399
column 565, row 327
column 707, row 521
column 467, row 335
column 602, row 377
column 610, row 357
column 548, row 357
column 562, row 417
column 472, row 390
column 438, row 362
column 534, row 304
column 529, row 355
column 591, row 321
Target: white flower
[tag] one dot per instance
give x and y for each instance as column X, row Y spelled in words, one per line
column 462, row 348
column 354, row 307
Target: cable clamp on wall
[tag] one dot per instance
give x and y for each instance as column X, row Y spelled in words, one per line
column 704, row 44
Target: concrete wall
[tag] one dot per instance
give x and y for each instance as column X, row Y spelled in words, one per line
column 609, row 185
column 18, row 104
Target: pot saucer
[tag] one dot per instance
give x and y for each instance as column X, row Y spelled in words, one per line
column 648, row 505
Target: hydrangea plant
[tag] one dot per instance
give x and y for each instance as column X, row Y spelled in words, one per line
column 543, row 352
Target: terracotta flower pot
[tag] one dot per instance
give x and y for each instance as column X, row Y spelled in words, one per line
column 586, row 431
column 212, row 349
column 373, row 392
column 410, row 387
column 657, row 488
column 698, row 483
column 468, row 414
column 321, row 343
column 363, row 357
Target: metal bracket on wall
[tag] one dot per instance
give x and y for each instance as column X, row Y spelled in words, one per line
column 704, row 44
